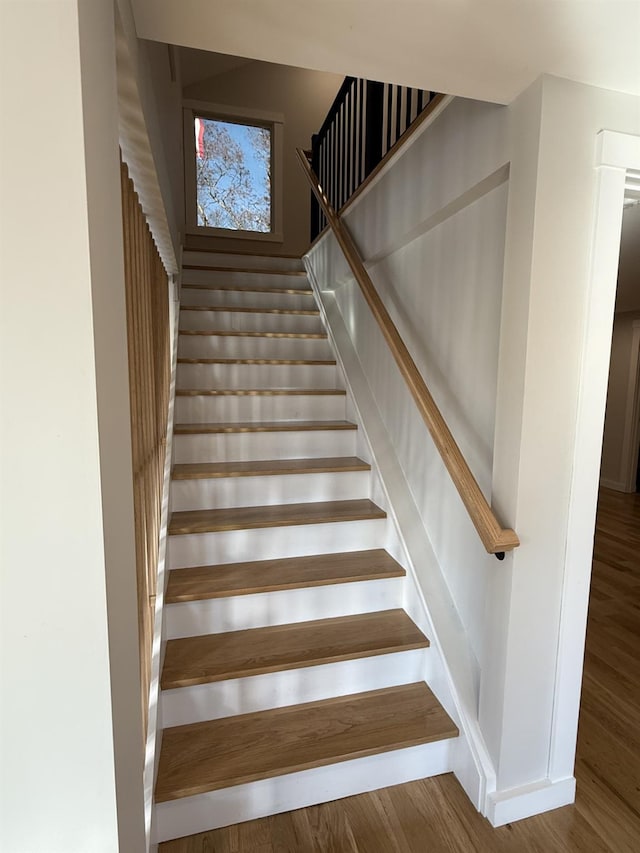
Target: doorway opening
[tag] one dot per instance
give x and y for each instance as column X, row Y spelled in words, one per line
column 620, row 469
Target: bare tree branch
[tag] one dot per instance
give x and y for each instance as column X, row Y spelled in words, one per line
column 231, row 194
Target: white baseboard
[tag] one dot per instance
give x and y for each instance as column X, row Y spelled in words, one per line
column 616, row 485
column 519, row 803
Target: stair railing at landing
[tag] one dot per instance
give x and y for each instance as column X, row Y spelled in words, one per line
column 366, row 124
column 344, row 165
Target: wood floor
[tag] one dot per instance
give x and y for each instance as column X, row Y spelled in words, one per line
column 434, row 816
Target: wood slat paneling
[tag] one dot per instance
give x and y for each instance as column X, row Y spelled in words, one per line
column 149, row 376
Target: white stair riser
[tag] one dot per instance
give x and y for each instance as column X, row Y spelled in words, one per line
column 270, row 543
column 236, row 407
column 237, row 346
column 257, row 376
column 273, row 279
column 221, row 492
column 248, row 446
column 186, row 705
column 237, row 613
column 229, row 259
column 247, row 299
column 240, row 321
column 240, row 803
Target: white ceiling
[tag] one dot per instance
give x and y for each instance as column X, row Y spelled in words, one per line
column 485, row 49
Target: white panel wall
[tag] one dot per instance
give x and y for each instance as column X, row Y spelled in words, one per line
column 443, row 289
column 525, row 618
column 554, row 352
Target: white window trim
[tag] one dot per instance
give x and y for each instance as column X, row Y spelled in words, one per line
column 275, row 121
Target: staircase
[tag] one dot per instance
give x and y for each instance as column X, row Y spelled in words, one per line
column 292, row 674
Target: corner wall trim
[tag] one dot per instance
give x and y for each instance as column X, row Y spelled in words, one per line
column 518, row 803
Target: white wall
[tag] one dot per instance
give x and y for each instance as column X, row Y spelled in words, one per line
column 304, row 98
column 440, row 277
column 556, row 326
column 163, row 113
column 150, row 126
column 71, row 730
column 525, row 617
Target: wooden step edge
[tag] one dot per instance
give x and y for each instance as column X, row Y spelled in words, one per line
column 268, row 468
column 232, row 579
column 190, row 522
column 235, row 309
column 208, row 658
column 242, row 270
column 428, row 724
column 236, row 334
column 303, row 663
column 260, row 392
column 256, row 288
column 276, row 362
column 262, row 426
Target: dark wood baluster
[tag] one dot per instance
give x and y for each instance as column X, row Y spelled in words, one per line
column 373, row 132
column 398, row 112
column 347, row 183
column 315, row 207
column 361, row 132
column 342, row 158
column 389, row 99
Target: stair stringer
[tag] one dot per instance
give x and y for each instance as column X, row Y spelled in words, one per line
column 427, row 598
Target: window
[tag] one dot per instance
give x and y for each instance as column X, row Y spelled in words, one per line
column 232, row 172
column 233, row 175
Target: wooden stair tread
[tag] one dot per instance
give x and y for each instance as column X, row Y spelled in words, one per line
column 234, row 309
column 232, row 333
column 279, row 515
column 243, row 270
column 265, row 467
column 203, row 582
column 252, row 288
column 255, row 651
column 261, row 426
column 220, row 753
column 324, row 362
column 259, row 392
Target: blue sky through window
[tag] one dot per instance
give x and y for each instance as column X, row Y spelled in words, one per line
column 233, row 175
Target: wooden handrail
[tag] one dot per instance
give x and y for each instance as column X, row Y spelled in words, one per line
column 495, row 538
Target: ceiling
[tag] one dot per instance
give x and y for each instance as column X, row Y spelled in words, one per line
column 197, row 65
column 485, row 49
